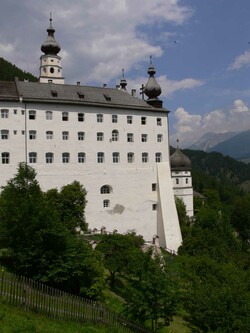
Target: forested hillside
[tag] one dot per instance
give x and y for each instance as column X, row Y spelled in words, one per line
column 8, row 72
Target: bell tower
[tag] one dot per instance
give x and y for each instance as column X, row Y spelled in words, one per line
column 50, row 62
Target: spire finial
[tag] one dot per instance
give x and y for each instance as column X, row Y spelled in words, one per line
column 150, row 59
column 177, row 143
column 123, row 81
column 50, row 20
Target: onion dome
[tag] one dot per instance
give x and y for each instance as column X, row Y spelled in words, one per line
column 123, row 82
column 50, row 46
column 180, row 161
column 152, row 89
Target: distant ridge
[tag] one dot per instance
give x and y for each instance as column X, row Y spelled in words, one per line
column 237, row 146
column 8, row 72
column 211, row 139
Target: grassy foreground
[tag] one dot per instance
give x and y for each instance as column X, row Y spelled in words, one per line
column 14, row 320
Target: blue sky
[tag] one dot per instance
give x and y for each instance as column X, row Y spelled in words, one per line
column 200, row 49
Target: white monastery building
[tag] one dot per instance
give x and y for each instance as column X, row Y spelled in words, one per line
column 113, row 143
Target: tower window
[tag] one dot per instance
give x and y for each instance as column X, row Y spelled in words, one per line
column 99, row 136
column 49, row 135
column 5, row 158
column 116, row 157
column 81, row 136
column 105, row 189
column 49, row 158
column 4, row 134
column 52, row 70
column 32, row 135
column 106, row 203
column 177, row 181
column 49, row 115
column 65, row 116
column 130, row 137
column 80, row 116
column 32, row 114
column 32, row 157
column 99, row 118
column 154, row 187
column 4, row 113
column 144, row 157
column 186, row 180
column 154, row 206
column 130, row 157
column 65, row 157
column 100, row 157
column 143, row 120
column 65, row 135
column 159, row 137
column 81, row 157
column 157, row 157
column 158, row 121
column 129, row 119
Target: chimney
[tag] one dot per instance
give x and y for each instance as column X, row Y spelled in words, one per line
column 78, row 83
column 104, row 85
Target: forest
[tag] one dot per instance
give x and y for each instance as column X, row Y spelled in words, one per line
column 206, row 284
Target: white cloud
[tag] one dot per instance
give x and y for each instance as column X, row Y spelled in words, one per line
column 190, row 127
column 240, row 61
column 99, row 37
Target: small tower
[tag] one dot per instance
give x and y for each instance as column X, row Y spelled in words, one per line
column 123, row 82
column 50, row 62
column 182, row 179
column 152, row 89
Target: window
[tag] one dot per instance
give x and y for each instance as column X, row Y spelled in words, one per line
column 116, row 157
column 32, row 157
column 100, row 157
column 65, row 116
column 157, row 157
column 32, row 114
column 49, row 158
column 65, row 135
column 143, row 120
column 32, row 135
column 81, row 136
column 4, row 134
column 158, row 121
column 22, row 111
column 5, row 158
column 159, row 137
column 114, row 118
column 144, row 157
column 65, row 157
column 99, row 136
column 49, row 115
column 15, row 132
column 130, row 137
column 115, row 135
column 49, row 135
column 144, row 138
column 4, row 113
column 176, row 181
column 154, row 187
column 154, row 206
column 106, row 203
column 81, row 157
column 130, row 157
column 186, row 180
column 15, row 111
column 105, row 189
column 99, row 118
column 80, row 116
column 23, row 132
column 129, row 119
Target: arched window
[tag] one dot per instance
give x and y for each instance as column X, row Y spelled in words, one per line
column 115, row 135
column 105, row 189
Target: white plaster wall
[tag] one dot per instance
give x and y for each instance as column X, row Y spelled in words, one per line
column 132, row 197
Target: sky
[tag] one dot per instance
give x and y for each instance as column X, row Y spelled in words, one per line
column 200, row 50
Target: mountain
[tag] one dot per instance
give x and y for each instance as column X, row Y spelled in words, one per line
column 237, row 146
column 211, row 139
column 8, row 72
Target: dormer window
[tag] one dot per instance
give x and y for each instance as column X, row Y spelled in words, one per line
column 80, row 94
column 54, row 93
